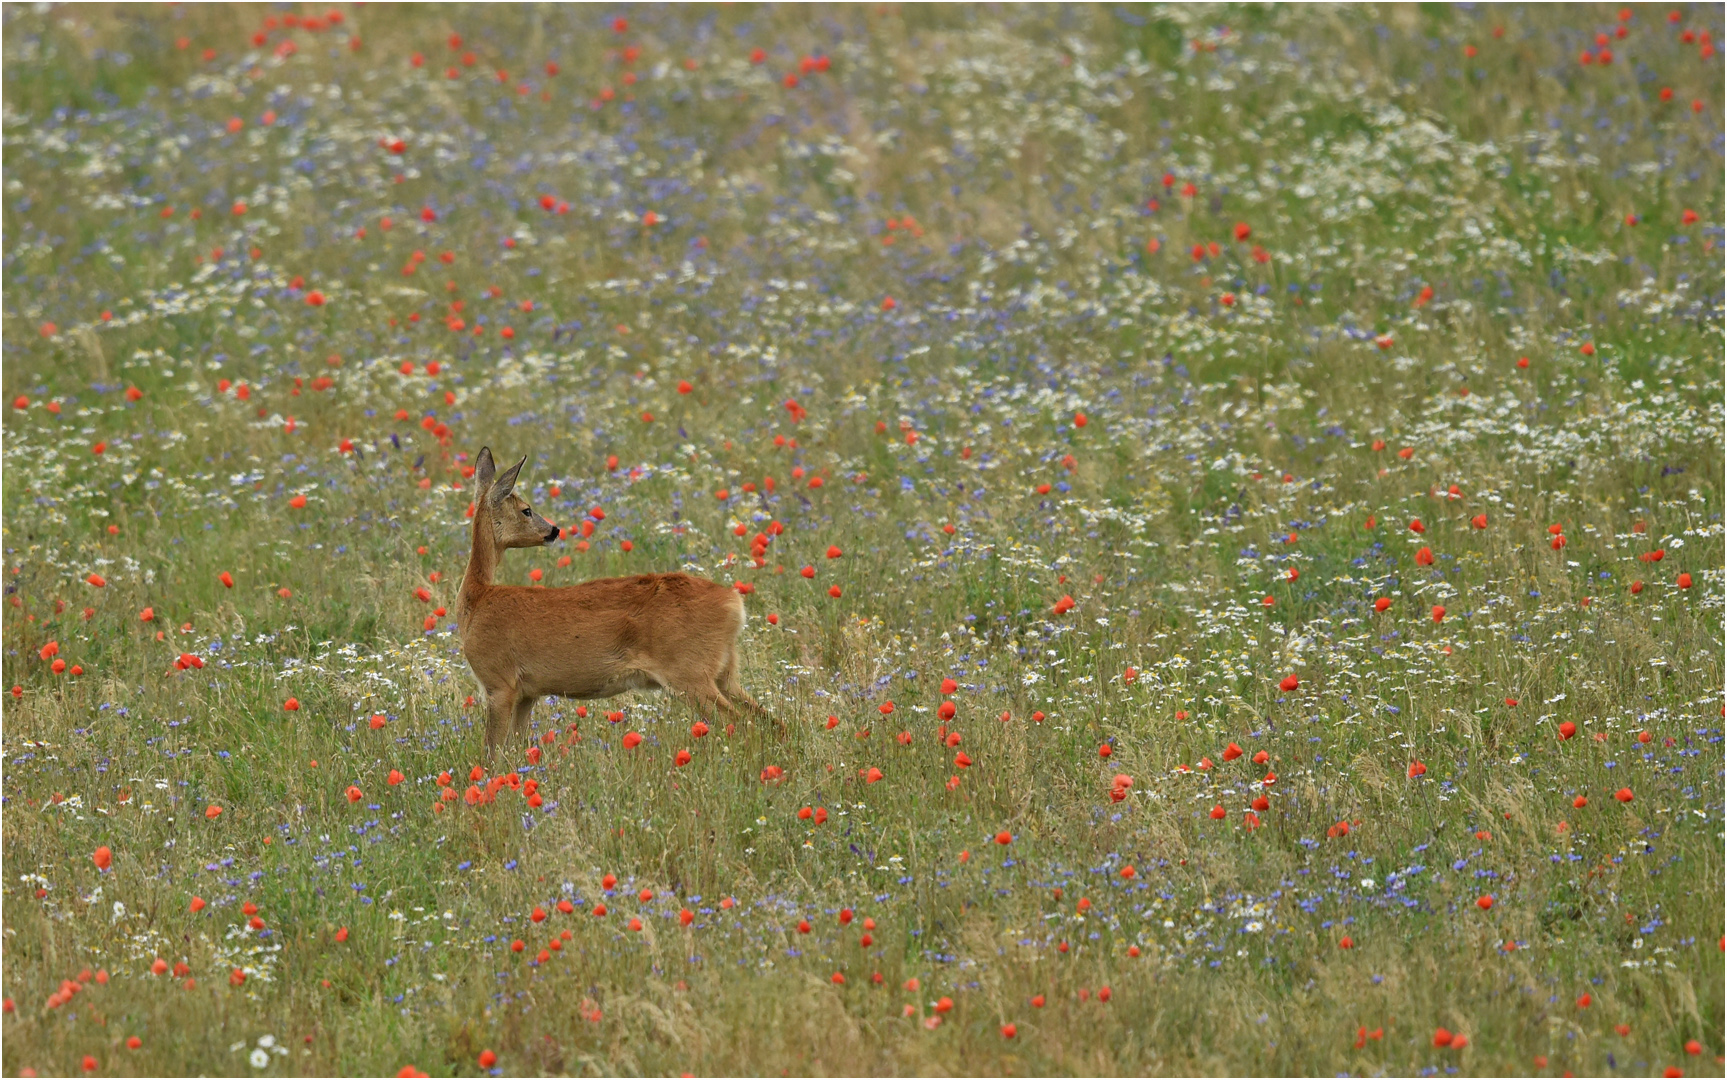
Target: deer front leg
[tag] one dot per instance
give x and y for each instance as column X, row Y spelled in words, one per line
column 500, row 715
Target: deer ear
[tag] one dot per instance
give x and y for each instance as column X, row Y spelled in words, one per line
column 506, row 481
column 484, row 468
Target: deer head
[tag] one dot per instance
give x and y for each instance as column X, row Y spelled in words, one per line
column 514, row 523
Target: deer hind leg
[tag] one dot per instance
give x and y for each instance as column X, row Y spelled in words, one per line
column 733, row 689
column 703, row 693
column 500, row 715
column 524, row 718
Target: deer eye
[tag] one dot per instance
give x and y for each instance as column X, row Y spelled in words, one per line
column 526, row 512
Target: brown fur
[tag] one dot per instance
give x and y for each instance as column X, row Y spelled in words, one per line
column 598, row 639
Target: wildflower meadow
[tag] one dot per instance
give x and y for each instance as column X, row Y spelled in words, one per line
column 1227, row 501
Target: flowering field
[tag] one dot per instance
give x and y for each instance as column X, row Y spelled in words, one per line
column 1228, row 502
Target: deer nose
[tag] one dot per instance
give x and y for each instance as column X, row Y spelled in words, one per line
column 554, row 534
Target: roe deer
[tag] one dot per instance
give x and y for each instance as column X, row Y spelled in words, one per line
column 594, row 640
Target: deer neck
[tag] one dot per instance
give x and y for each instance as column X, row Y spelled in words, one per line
column 483, row 555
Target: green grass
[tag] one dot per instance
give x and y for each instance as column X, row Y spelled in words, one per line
column 1369, row 156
